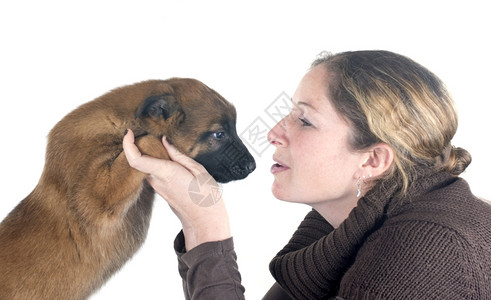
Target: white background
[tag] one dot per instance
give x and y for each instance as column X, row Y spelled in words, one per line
column 56, row 55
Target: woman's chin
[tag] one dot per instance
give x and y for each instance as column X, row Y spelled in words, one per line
column 279, row 191
column 275, row 190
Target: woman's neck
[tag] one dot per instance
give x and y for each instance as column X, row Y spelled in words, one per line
column 335, row 212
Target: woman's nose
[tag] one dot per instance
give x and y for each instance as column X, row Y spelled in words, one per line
column 277, row 135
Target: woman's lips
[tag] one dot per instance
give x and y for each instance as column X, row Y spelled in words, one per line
column 278, row 167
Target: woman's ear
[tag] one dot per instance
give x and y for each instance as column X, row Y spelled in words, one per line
column 379, row 159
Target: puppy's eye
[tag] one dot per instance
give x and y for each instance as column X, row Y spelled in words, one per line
column 219, row 135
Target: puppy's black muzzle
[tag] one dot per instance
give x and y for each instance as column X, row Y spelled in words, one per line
column 231, row 162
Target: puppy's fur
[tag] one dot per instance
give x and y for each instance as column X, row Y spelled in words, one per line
column 90, row 211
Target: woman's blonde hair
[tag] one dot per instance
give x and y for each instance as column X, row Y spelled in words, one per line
column 389, row 98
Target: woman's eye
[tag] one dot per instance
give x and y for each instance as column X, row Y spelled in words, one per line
column 219, row 135
column 304, row 122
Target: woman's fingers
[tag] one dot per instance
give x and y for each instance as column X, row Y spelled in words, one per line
column 150, row 165
column 180, row 170
column 177, row 156
column 144, row 163
column 131, row 151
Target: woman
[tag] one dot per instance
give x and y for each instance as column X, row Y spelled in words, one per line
column 367, row 145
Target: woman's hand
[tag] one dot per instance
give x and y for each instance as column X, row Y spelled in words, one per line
column 202, row 221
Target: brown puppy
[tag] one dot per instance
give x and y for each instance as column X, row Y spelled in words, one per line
column 90, row 211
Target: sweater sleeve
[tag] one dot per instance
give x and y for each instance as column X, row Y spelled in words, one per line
column 209, row 271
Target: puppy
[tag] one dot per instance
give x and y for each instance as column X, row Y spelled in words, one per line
column 90, row 211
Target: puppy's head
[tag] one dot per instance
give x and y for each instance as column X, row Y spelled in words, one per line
column 201, row 124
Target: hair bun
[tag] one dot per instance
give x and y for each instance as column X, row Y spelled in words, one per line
column 458, row 161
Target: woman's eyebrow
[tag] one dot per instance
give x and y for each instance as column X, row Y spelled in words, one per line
column 303, row 103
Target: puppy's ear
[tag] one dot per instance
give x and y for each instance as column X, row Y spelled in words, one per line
column 158, row 106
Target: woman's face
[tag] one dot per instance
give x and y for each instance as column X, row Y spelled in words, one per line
column 313, row 161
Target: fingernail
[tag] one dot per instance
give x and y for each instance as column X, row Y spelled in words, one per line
column 169, row 145
column 167, row 141
column 125, row 132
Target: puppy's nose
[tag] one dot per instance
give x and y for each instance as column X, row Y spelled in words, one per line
column 250, row 166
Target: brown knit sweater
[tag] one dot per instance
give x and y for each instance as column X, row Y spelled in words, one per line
column 435, row 243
